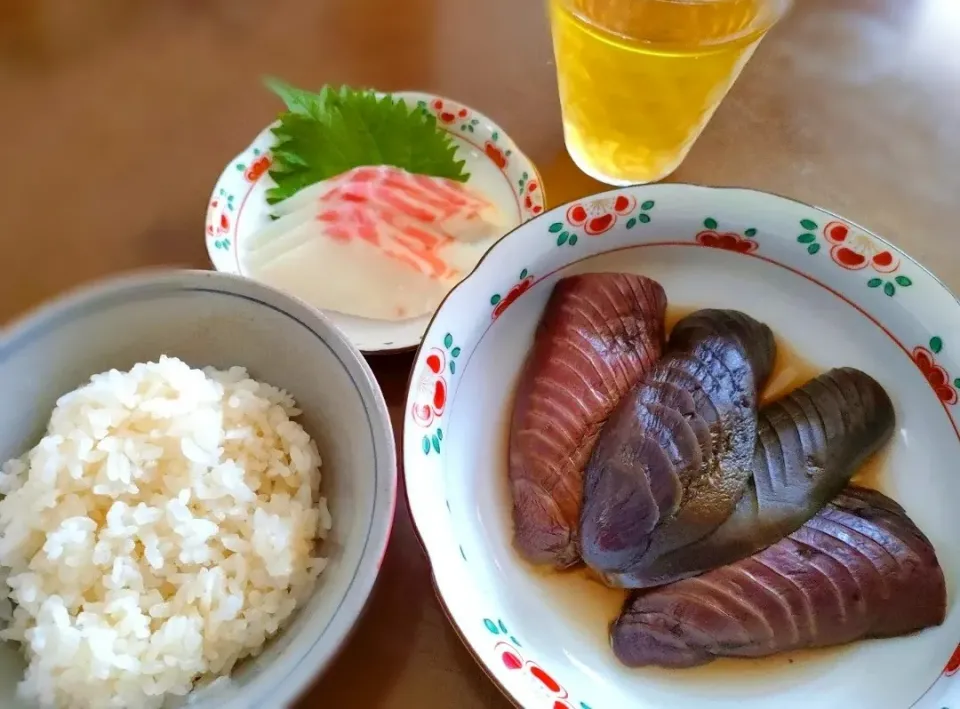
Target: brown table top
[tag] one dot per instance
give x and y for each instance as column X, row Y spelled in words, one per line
column 118, row 117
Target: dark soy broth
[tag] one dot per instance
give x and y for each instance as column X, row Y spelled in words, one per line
column 790, row 371
column 873, row 471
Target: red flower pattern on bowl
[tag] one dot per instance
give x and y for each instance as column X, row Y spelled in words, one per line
column 257, row 168
column 218, row 223
column 211, row 216
column 854, row 251
column 496, row 154
column 431, row 397
column 514, row 293
column 935, row 374
column 534, row 207
column 448, row 112
column 953, row 664
column 600, row 215
column 729, row 241
column 542, row 682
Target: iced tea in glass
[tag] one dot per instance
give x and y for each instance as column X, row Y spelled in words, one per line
column 639, row 79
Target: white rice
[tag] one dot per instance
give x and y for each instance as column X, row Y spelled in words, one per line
column 163, row 529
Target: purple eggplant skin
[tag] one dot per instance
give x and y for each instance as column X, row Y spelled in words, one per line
column 859, row 569
column 675, row 455
column 810, row 443
column 599, row 335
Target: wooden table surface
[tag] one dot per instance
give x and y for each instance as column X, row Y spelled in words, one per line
column 118, row 116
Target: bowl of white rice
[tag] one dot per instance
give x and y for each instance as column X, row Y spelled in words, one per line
column 197, row 486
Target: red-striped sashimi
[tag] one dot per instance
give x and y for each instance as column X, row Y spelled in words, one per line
column 416, row 219
column 454, row 210
column 427, row 228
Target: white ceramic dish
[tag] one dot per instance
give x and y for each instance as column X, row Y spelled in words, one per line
column 238, row 206
column 210, row 318
column 834, row 292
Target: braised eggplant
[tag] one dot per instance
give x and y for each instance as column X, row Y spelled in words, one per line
column 858, row 569
column 676, row 454
column 810, row 443
column 599, row 335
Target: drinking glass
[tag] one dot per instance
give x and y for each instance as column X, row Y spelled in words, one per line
column 639, row 79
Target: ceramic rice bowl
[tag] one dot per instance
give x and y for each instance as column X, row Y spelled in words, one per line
column 215, row 319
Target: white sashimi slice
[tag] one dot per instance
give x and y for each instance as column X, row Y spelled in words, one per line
column 305, row 197
column 460, row 257
column 458, row 211
column 485, row 224
column 279, row 235
column 351, row 277
column 404, row 240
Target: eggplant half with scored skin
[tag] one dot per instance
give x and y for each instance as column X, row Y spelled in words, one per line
column 810, row 443
column 676, row 454
column 859, row 569
column 599, row 335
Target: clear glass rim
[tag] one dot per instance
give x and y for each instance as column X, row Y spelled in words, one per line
column 775, row 9
column 770, row 12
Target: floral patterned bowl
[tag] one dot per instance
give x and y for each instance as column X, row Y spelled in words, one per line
column 835, row 295
column 497, row 167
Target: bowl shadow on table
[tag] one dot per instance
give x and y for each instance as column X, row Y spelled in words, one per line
column 404, row 621
column 566, row 182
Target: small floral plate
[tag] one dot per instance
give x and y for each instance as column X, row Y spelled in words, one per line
column 834, row 293
column 238, row 206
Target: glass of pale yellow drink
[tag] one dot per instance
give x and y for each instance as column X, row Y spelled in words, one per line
column 639, row 79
